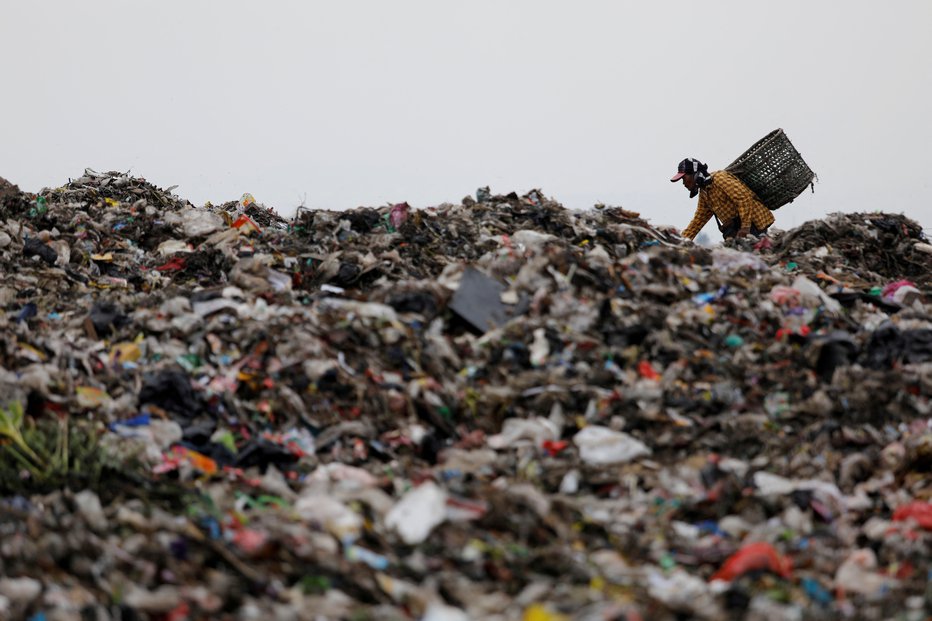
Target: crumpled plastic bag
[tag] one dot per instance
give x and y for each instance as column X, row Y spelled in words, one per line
column 603, row 446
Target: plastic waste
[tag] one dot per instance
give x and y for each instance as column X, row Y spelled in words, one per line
column 34, row 247
column 478, row 301
column 245, row 225
column 540, row 348
column 418, row 513
column 537, row 430
column 897, row 291
column 20, row 591
column 601, row 445
column 437, row 611
column 758, row 556
column 858, row 575
column 89, row 507
column 329, row 514
column 159, row 601
column 683, row 593
column 916, row 511
column 201, row 222
column 398, row 214
column 357, row 553
column 810, row 291
column 246, row 200
column 537, row 612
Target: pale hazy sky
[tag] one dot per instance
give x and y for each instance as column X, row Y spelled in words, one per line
column 341, row 104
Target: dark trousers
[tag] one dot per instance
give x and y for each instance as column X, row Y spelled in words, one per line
column 731, row 229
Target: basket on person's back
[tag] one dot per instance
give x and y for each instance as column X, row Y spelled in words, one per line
column 774, row 170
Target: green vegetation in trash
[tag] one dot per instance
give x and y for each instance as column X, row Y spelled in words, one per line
column 38, row 456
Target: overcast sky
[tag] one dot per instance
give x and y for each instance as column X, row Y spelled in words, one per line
column 341, row 104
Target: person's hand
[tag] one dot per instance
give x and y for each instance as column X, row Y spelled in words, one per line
column 744, row 232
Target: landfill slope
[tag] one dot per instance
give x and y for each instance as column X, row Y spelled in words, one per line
column 497, row 409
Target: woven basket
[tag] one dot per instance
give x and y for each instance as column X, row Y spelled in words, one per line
column 774, row 170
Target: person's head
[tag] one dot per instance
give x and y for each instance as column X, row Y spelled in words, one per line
column 693, row 173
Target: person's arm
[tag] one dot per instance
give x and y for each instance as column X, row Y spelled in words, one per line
column 703, row 215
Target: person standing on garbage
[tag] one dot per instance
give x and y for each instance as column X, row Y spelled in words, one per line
column 736, row 209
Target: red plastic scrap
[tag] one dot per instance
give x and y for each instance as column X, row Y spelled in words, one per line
column 360, row 450
column 474, row 509
column 647, row 371
column 763, row 244
column 890, row 289
column 233, row 473
column 169, row 464
column 398, row 214
column 349, row 412
column 177, row 455
column 295, row 449
column 554, row 447
column 918, row 511
column 245, row 225
column 785, row 332
column 754, row 557
column 249, row 541
column 181, row 612
column 902, row 571
column 506, row 243
column 173, row 265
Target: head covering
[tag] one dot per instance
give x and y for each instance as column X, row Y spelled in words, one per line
column 692, row 166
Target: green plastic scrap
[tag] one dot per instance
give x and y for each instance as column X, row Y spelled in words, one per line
column 189, row 362
column 314, row 585
column 40, row 209
column 225, row 438
column 733, row 340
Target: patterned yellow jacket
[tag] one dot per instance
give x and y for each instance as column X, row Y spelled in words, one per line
column 726, row 197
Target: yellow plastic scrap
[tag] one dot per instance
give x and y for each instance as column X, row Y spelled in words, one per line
column 125, row 352
column 537, row 612
column 111, row 202
column 386, row 583
column 90, row 397
column 29, row 352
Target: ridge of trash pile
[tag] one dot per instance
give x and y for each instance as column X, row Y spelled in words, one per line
column 494, row 409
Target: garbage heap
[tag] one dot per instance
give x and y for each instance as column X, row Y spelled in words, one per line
column 498, row 409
